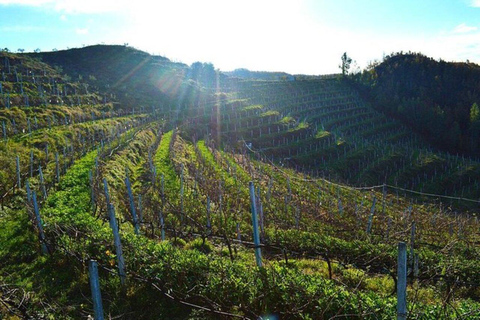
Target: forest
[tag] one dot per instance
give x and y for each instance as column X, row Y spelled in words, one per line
column 438, row 99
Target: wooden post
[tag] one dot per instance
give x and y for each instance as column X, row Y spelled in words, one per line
column 57, row 168
column 389, row 225
column 412, row 240
column 154, row 175
column 42, row 182
column 31, row 163
column 19, row 179
column 260, row 215
column 116, row 238
column 297, row 218
column 181, row 192
column 256, row 237
column 384, row 192
column 209, row 223
column 162, row 227
column 140, row 217
column 95, row 288
column 269, row 191
column 132, row 204
column 402, row 282
column 29, row 191
column 39, row 224
column 239, row 235
column 415, row 266
column 370, row 218
column 289, row 189
column 107, row 195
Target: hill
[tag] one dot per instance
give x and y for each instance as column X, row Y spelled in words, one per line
column 260, row 75
column 133, row 76
column 208, row 197
column 438, row 99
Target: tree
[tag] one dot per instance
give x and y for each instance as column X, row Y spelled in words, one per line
column 345, row 65
column 203, row 73
column 474, row 113
column 36, row 50
column 474, row 127
column 20, row 50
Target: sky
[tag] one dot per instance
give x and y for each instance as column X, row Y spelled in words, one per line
column 296, row 36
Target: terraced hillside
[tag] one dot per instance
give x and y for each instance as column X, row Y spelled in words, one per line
column 200, row 214
column 323, row 127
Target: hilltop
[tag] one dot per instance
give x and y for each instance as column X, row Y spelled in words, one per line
column 135, row 77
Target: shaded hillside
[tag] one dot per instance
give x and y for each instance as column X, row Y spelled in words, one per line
column 136, row 77
column 434, row 97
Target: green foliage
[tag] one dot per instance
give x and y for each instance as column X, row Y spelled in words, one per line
column 164, row 165
column 345, row 64
column 201, row 245
column 253, row 107
column 474, row 113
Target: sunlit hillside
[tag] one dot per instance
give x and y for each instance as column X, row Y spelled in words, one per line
column 134, row 187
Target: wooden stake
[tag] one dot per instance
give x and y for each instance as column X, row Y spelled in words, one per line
column 19, row 179
column 132, row 204
column 256, row 237
column 117, row 243
column 95, row 288
column 39, row 224
column 402, row 282
column 370, row 218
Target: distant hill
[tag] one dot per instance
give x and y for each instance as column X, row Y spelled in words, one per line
column 105, row 62
column 435, row 98
column 135, row 76
column 259, row 75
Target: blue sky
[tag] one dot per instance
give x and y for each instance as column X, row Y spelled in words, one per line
column 302, row 36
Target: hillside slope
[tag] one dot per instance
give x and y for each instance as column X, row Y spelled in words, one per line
column 323, row 127
column 135, row 77
column 435, row 98
column 199, row 213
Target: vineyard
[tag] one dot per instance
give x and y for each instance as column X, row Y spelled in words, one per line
column 255, row 199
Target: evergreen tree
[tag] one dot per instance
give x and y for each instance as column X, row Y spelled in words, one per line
column 345, row 65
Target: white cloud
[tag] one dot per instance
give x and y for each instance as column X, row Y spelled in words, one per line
column 77, row 6
column 81, row 31
column 21, row 28
column 63, row 17
column 463, row 28
column 475, row 3
column 92, row 6
column 35, row 3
